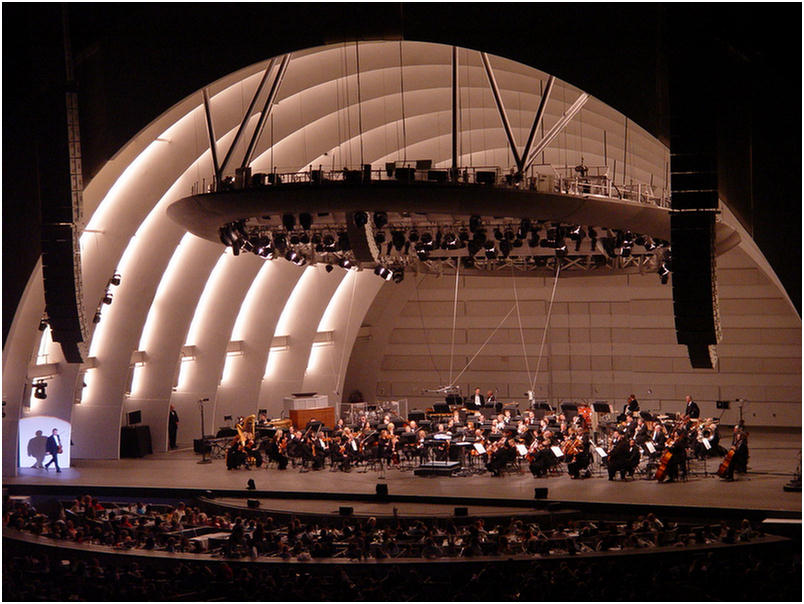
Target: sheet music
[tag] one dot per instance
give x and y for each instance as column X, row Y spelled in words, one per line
column 557, row 451
column 706, row 444
column 650, row 447
column 354, row 445
column 480, row 448
column 601, row 452
column 522, row 449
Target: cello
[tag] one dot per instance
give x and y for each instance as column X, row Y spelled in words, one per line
column 664, row 461
column 723, row 470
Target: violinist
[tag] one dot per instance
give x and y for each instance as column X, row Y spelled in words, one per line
column 502, row 455
column 277, row 450
column 252, row 453
column 541, row 456
column 659, row 437
column 235, row 455
column 641, row 432
column 384, row 447
column 342, row 451
column 578, row 456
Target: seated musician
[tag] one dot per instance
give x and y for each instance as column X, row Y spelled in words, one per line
column 253, row 455
column 641, row 432
column 262, row 420
column 341, row 450
column 678, row 462
column 579, row 456
column 659, row 437
column 339, row 426
column 617, row 460
column 634, row 453
column 630, row 426
column 503, row 455
column 541, row 456
column 739, row 462
column 277, row 449
column 235, row 455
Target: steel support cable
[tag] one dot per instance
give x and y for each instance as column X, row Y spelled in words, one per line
column 546, row 325
column 345, row 335
column 505, row 318
column 454, row 316
column 424, row 333
column 521, row 331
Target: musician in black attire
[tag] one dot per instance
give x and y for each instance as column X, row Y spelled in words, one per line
column 543, row 458
column 476, row 401
column 501, row 457
column 53, row 448
column 633, row 459
column 631, row 405
column 739, row 462
column 580, row 461
column 617, row 460
column 274, row 450
column 678, row 462
column 658, row 437
column 235, row 455
column 692, row 411
column 641, row 433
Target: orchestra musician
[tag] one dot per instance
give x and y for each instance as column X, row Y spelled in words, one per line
column 632, row 461
column 659, row 437
column 678, row 462
column 617, row 459
column 476, row 401
column 739, row 462
column 541, row 456
column 578, row 456
column 276, row 450
column 692, row 410
column 641, row 432
column 503, row 454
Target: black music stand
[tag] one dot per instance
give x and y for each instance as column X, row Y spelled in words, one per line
column 204, row 445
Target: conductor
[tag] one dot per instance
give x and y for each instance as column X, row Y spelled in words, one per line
column 475, row 401
column 692, row 411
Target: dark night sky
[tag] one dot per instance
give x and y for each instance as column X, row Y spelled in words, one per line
column 133, row 61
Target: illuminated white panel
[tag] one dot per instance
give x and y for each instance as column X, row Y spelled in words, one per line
column 147, row 339
column 33, row 434
column 305, row 287
column 346, row 288
column 206, row 298
column 44, row 343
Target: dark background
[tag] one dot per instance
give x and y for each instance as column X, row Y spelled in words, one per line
column 134, row 61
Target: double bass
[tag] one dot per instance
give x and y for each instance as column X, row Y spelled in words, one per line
column 723, row 470
column 664, row 461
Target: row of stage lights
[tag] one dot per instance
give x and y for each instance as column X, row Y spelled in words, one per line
column 503, row 240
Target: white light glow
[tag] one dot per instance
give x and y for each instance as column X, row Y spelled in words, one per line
column 300, row 292
column 228, row 366
column 344, row 292
column 33, row 434
column 240, row 329
column 44, row 343
column 207, row 296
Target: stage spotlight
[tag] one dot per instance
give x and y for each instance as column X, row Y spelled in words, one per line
column 294, row 239
column 380, row 219
column 107, row 297
column 399, row 275
column 304, row 238
column 427, row 241
column 306, row 220
column 42, row 324
column 316, row 239
column 384, row 273
column 288, row 221
column 480, row 236
column 296, row 258
column 561, row 249
column 421, row 252
column 361, row 219
column 474, row 223
column 451, row 241
column 280, row 242
column 498, row 234
column 463, row 235
column 264, row 248
column 225, row 235
column 329, row 242
column 490, row 251
column 329, row 268
column 115, row 280
column 474, row 247
column 398, row 239
column 413, row 236
column 505, row 248
column 346, row 263
column 509, row 234
column 39, row 390
column 379, row 238
column 96, row 319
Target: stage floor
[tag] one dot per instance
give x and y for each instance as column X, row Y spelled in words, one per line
column 774, row 456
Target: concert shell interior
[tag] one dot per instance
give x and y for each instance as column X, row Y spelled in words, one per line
column 218, row 335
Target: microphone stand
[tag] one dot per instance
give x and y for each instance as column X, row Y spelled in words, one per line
column 203, row 438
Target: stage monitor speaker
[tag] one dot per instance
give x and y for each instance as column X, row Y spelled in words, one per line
column 461, row 511
column 382, row 491
column 695, row 301
column 253, row 503
column 345, row 510
column 540, row 493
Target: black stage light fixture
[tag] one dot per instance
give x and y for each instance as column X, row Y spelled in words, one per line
column 498, row 235
column 480, row 236
column 379, row 238
column 280, row 242
column 474, row 247
column 107, row 297
column 388, row 248
column 474, row 223
column 42, row 324
column 413, row 236
column 427, row 241
column 463, row 235
column 304, row 238
column 421, row 252
column 509, row 234
column 383, row 273
column 329, row 268
column 517, row 243
column 306, row 220
column 343, row 242
column 225, row 235
column 329, row 242
column 250, row 484
column 296, row 258
column 40, row 390
column 346, row 263
column 451, row 241
column 96, row 319
column 505, row 248
column 115, row 280
column 398, row 239
column 288, row 221
column 490, row 251
column 361, row 219
column 380, row 219
column 438, row 239
column 316, row 239
column 294, row 239
column 264, row 248
column 399, row 275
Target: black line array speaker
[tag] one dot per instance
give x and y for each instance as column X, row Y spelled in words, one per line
column 346, row 510
column 461, row 511
column 382, row 491
column 695, row 301
column 540, row 493
column 253, row 503
column 358, row 239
